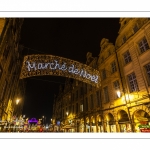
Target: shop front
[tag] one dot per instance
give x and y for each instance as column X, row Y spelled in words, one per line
column 100, row 127
column 88, row 127
column 81, row 126
column 110, row 123
column 141, row 121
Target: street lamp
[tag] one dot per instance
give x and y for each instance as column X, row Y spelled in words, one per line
column 125, row 100
column 118, row 93
column 17, row 101
column 67, row 113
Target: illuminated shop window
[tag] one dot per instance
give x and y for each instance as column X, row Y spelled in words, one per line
column 143, row 45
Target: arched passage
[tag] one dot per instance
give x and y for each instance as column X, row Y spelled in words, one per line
column 140, row 117
column 110, row 123
column 93, row 124
column 123, row 121
column 99, row 124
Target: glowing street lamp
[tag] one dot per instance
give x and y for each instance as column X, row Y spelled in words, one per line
column 67, row 113
column 118, row 93
column 17, row 101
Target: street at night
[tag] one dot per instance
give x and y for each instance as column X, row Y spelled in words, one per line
column 76, row 75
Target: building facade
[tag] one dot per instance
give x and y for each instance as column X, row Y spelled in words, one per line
column 122, row 103
column 10, row 66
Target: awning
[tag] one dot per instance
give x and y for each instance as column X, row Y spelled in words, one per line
column 142, row 119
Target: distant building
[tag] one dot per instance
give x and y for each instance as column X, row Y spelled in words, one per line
column 10, row 66
column 122, row 103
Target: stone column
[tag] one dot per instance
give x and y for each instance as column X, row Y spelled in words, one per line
column 117, row 126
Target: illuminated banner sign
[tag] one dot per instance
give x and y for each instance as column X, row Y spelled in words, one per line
column 39, row 65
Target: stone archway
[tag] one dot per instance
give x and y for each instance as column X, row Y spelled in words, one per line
column 110, row 123
column 140, row 117
column 39, row 65
column 123, row 121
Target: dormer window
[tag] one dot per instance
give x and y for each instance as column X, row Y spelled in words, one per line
column 124, row 39
column 135, row 29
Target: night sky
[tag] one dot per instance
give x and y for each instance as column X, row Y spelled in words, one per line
column 66, row 37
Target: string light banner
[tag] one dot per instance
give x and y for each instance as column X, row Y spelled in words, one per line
column 39, row 65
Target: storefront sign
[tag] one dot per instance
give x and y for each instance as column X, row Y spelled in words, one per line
column 37, row 65
column 144, row 127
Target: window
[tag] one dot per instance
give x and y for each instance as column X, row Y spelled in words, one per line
column 113, row 67
column 143, row 45
column 106, row 95
column 133, row 82
column 127, row 57
column 124, row 39
column 81, row 108
column 135, row 28
column 116, row 87
column 92, row 104
column 98, row 99
column 103, row 74
column 147, row 67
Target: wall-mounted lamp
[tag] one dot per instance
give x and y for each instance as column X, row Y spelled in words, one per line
column 17, row 101
column 67, row 113
column 118, row 93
